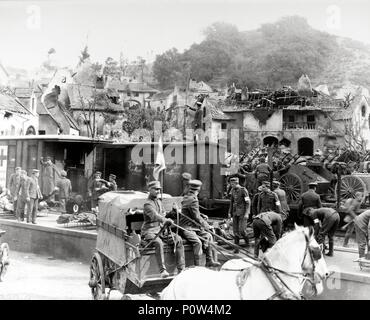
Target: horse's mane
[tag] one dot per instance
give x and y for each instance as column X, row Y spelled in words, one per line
column 280, row 246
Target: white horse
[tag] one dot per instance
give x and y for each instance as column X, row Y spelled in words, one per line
column 296, row 257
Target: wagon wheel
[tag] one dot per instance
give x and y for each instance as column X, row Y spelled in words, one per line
column 350, row 185
column 4, row 260
column 292, row 184
column 97, row 279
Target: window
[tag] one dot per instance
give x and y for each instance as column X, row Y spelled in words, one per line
column 204, row 127
column 223, row 125
column 136, row 94
column 363, row 111
column 310, row 118
column 290, row 118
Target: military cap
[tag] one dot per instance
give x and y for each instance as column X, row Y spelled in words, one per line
column 35, row 170
column 154, row 185
column 18, row 168
column 234, row 179
column 48, row 158
column 266, row 183
column 314, row 183
column 276, row 183
column 259, row 188
column 186, row 176
column 195, row 184
column 112, row 176
column 24, row 171
column 63, row 173
column 98, row 172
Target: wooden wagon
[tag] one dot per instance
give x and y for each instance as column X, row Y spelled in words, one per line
column 120, row 262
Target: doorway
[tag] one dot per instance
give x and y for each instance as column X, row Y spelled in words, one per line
column 305, row 147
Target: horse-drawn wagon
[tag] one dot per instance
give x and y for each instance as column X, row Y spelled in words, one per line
column 4, row 257
column 120, row 261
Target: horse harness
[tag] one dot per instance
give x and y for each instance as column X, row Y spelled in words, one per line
column 282, row 290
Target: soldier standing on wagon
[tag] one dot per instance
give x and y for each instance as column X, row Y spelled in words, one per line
column 96, row 188
column 239, row 211
column 14, row 181
column 154, row 220
column 196, row 226
column 112, row 184
column 65, row 188
column 23, row 195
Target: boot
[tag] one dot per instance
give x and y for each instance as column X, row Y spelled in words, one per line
column 246, row 239
column 236, row 241
column 210, row 262
column 197, row 260
column 331, row 249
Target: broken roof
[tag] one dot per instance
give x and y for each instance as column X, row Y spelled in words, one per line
column 11, row 104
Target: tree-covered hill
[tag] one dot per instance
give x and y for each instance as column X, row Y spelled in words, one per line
column 275, row 54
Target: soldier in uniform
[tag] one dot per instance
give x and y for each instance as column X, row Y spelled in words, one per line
column 239, row 211
column 195, row 226
column 48, row 169
column 362, row 229
column 112, row 182
column 326, row 221
column 282, row 198
column 35, row 195
column 186, row 177
column 65, row 188
column 96, row 188
column 267, row 230
column 268, row 200
column 14, row 182
column 309, row 199
column 262, row 171
column 23, row 195
column 154, row 220
column 352, row 208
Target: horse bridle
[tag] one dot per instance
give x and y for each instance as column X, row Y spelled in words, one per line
column 282, row 289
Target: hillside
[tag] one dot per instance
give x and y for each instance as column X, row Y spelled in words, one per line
column 274, row 55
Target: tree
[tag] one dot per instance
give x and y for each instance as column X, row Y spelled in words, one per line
column 167, row 67
column 112, row 68
column 84, row 55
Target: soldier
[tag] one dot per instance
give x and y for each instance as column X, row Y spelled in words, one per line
column 352, row 208
column 23, row 195
column 239, row 210
column 326, row 221
column 186, row 177
column 254, row 206
column 362, row 228
column 194, row 224
column 14, row 182
column 154, row 220
column 96, row 188
column 267, row 230
column 34, row 195
column 262, row 171
column 65, row 188
column 112, row 182
column 282, row 198
column 268, row 200
column 309, row 199
column 48, row 176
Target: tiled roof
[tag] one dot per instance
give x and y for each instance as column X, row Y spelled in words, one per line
column 8, row 103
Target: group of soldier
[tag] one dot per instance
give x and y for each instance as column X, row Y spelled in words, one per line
column 98, row 186
column 192, row 226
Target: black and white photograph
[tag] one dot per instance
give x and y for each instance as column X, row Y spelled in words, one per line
column 209, row 150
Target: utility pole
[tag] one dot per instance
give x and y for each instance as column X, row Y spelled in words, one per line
column 186, row 96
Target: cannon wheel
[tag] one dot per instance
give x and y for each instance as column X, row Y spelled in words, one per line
column 97, row 278
column 293, row 186
column 350, row 185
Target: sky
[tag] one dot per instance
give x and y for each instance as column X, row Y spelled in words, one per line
column 28, row 29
